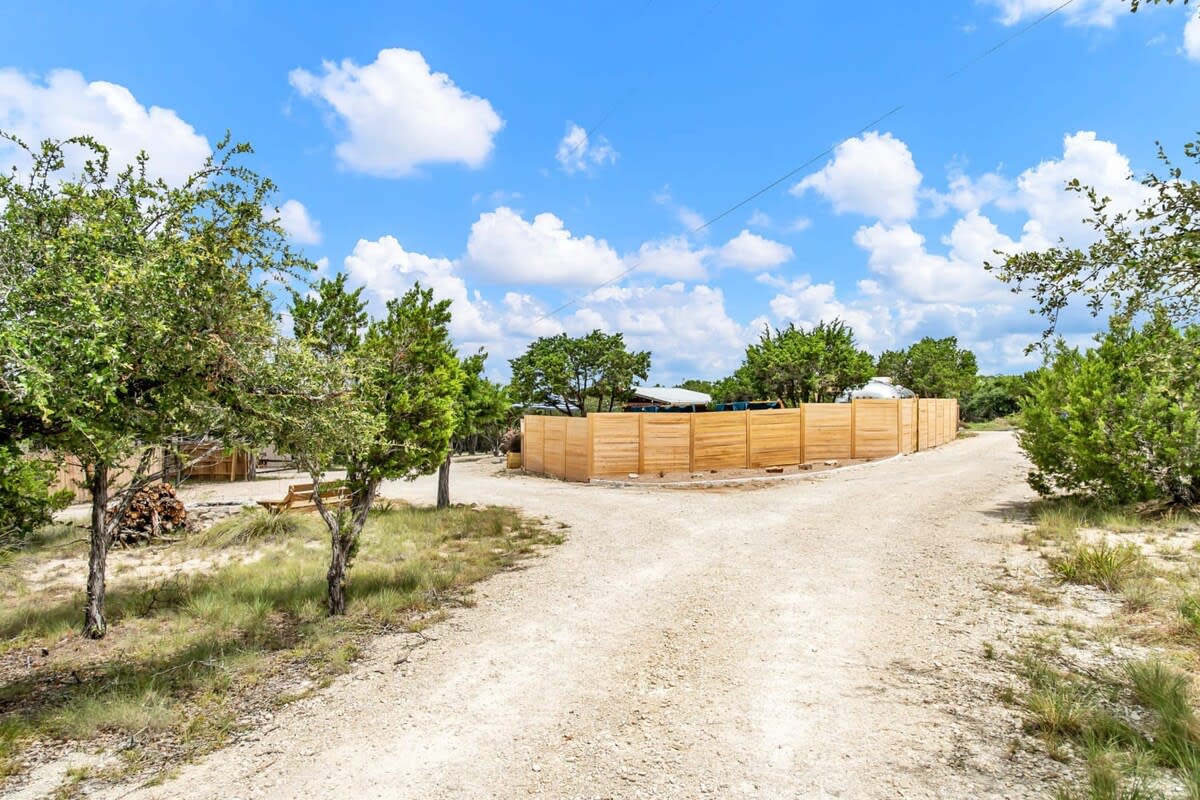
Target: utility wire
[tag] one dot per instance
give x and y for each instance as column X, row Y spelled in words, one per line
column 826, row 152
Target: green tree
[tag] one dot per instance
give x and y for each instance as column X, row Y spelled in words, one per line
column 1119, row 423
column 332, row 321
column 26, row 501
column 931, row 367
column 130, row 309
column 1142, row 259
column 799, row 366
column 395, row 415
column 482, row 406
column 566, row 372
column 995, row 396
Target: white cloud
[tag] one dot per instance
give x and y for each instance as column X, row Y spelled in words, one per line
column 1101, row 13
column 873, row 175
column 504, row 247
column 1191, row 37
column 799, row 224
column 66, row 105
column 578, row 152
column 297, row 222
column 688, row 330
column 673, row 257
column 1053, row 211
column 691, row 220
column 388, row 271
column 750, row 251
column 965, row 193
column 759, row 219
column 398, row 114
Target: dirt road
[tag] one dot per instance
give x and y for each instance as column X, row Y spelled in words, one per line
column 818, row 638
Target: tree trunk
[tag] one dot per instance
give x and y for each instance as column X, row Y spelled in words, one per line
column 336, row 577
column 342, row 539
column 443, row 497
column 94, row 625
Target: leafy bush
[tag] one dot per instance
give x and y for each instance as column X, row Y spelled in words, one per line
column 26, row 501
column 995, row 396
column 1119, row 423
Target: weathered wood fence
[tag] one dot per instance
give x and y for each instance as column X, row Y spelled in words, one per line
column 615, row 445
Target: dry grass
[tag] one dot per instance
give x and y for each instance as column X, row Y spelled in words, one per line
column 1133, row 722
column 188, row 656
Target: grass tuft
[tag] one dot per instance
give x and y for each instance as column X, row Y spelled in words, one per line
column 253, row 525
column 1102, row 565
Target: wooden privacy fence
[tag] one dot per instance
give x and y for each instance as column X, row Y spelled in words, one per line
column 615, row 445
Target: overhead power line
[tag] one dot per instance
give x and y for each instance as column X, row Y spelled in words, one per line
column 824, row 153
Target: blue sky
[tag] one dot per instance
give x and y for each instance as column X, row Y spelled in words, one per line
column 436, row 142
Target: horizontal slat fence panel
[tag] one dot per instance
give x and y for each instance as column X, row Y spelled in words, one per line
column 578, row 448
column 555, row 457
column 776, row 437
column 827, row 431
column 608, row 445
column 615, row 444
column 719, row 440
column 666, row 442
column 533, row 443
column 876, row 431
column 908, row 425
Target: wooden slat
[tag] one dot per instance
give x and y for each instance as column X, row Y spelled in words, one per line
column 533, row 445
column 827, row 432
column 555, row 454
column 875, row 428
column 666, row 442
column 720, row 440
column 775, row 437
column 615, row 444
column 575, row 466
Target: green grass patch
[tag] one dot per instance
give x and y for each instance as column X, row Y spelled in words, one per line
column 1104, row 565
column 187, row 655
column 997, row 424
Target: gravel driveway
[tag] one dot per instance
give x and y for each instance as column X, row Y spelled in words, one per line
column 817, row 638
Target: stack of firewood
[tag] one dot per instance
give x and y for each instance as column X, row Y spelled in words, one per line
column 153, row 514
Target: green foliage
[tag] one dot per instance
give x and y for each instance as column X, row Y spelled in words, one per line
column 1119, row 423
column 995, row 396
column 566, row 372
column 1147, row 258
column 26, row 501
column 483, row 409
column 1102, row 565
column 799, row 366
column 931, row 367
column 331, row 322
column 129, row 309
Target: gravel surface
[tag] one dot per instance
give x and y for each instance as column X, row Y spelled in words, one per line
column 816, row 638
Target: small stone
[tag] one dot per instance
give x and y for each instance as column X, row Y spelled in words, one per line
column 633, row 476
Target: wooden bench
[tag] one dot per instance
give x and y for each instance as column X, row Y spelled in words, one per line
column 300, row 498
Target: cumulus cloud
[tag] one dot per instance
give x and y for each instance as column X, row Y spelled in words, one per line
column 1101, row 13
column 396, row 114
column 578, row 152
column 1053, row 211
column 673, row 257
column 873, row 174
column 388, row 271
column 753, row 252
column 301, row 228
column 504, row 247
column 67, row 105
column 1191, row 37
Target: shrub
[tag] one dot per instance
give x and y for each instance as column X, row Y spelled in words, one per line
column 1119, row 423
column 26, row 501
